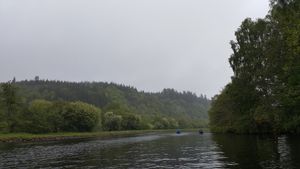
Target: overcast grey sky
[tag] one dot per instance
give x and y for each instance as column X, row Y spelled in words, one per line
column 148, row 44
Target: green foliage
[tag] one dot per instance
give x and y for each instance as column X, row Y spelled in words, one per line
column 41, row 117
column 121, row 99
column 161, row 123
column 173, row 124
column 79, row 116
column 134, row 109
column 45, row 116
column 166, row 123
column 49, row 107
column 131, row 122
column 40, row 106
column 3, row 123
column 112, row 122
column 263, row 96
column 9, row 105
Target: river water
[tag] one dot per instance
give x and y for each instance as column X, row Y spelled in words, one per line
column 183, row 151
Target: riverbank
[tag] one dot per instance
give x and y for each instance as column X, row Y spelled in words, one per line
column 27, row 137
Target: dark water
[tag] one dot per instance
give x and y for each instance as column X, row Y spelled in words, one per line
column 187, row 150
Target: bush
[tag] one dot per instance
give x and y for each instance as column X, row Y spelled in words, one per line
column 161, row 123
column 79, row 116
column 131, row 122
column 44, row 116
column 41, row 117
column 112, row 122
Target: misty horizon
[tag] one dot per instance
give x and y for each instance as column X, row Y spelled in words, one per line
column 150, row 45
column 42, row 79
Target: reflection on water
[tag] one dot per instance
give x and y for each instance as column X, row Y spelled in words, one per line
column 260, row 152
column 187, row 150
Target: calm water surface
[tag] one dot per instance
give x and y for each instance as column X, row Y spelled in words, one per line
column 187, row 150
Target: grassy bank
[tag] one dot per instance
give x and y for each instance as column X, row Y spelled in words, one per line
column 27, row 137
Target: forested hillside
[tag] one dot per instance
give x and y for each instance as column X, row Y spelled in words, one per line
column 122, row 107
column 264, row 94
column 110, row 96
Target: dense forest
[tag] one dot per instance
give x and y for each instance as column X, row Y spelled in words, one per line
column 41, row 106
column 264, row 93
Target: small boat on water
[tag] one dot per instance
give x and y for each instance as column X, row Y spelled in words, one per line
column 201, row 132
column 178, row 131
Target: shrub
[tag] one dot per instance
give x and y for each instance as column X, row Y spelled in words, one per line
column 112, row 121
column 79, row 116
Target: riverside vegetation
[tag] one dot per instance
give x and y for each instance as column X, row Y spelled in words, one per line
column 42, row 106
column 264, row 94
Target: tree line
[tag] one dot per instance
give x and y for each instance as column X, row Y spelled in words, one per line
column 43, row 106
column 264, row 93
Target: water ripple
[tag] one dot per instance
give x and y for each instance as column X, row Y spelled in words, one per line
column 151, row 151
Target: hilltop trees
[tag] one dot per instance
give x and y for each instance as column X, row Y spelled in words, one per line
column 264, row 93
column 42, row 116
column 186, row 108
column 43, row 106
column 113, row 97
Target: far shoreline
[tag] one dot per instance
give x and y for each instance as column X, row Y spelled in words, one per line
column 28, row 137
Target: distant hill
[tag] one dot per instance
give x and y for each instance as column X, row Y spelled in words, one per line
column 185, row 106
